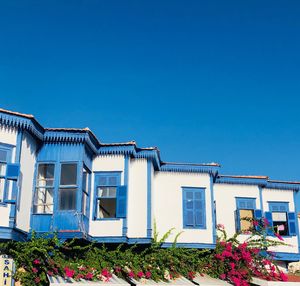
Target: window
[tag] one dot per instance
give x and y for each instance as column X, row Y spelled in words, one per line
column 194, row 208
column 283, row 221
column 68, row 186
column 85, row 191
column 5, row 157
column 111, row 198
column 245, row 213
column 43, row 199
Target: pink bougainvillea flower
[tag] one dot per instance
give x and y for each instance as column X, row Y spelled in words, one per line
column 283, row 276
column 140, row 274
column 131, row 274
column 255, row 223
column 223, row 276
column 148, row 274
column 220, row 226
column 266, row 222
column 89, row 276
column 79, row 276
column 36, row 262
column 50, row 273
column 34, row 270
column 69, row 272
column 118, row 269
column 37, row 280
column 278, row 236
column 81, row 268
column 191, row 275
column 106, row 273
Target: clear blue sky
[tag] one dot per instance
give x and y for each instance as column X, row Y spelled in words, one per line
column 202, row 80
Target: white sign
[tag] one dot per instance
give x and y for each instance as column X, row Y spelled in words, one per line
column 6, row 271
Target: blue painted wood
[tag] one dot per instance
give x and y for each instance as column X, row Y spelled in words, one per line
column 268, row 216
column 41, row 222
column 149, row 199
column 292, row 223
column 121, row 208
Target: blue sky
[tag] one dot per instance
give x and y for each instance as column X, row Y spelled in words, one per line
column 202, row 80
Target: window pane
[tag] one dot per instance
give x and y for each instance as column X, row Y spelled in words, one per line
column 107, row 192
column 45, row 175
column 276, row 216
column 43, row 200
column 2, row 169
column 68, row 175
column 84, row 180
column 84, row 203
column 2, row 184
column 281, row 227
column 112, row 181
column 106, row 208
column 245, row 224
column 3, row 156
column 67, row 199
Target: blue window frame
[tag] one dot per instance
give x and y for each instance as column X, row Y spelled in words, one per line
column 44, row 189
column 110, row 197
column 5, row 159
column 281, row 219
column 245, row 212
column 86, row 179
column 194, row 213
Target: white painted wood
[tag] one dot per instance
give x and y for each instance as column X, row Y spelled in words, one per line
column 260, row 282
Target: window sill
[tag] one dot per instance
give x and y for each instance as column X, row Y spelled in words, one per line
column 42, row 214
column 107, row 219
column 194, row 227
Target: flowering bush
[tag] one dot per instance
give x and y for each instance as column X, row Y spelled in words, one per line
column 234, row 261
column 237, row 262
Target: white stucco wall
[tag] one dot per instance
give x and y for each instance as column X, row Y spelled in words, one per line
column 28, row 160
column 275, row 195
column 109, row 227
column 137, row 198
column 167, row 205
column 7, row 136
column 225, row 197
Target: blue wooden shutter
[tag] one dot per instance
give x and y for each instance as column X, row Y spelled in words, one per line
column 268, row 216
column 12, row 171
column 199, row 208
column 237, row 220
column 292, row 223
column 258, row 216
column 121, row 208
column 188, row 208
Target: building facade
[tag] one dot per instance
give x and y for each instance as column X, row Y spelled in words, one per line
column 67, row 181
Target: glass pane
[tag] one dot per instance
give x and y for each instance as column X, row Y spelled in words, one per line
column 45, row 175
column 84, row 180
column 84, row 203
column 189, row 204
column 245, row 224
column 2, row 184
column 103, row 181
column 277, row 216
column 2, row 169
column 107, row 192
column 67, row 199
column 112, row 181
column 3, row 155
column 43, row 200
column 68, row 174
column 106, row 208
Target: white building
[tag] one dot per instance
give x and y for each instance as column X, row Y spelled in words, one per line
column 66, row 180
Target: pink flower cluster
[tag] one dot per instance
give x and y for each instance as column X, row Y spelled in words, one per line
column 241, row 262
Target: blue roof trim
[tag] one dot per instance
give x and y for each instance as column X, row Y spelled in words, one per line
column 69, row 136
column 117, row 150
column 153, row 155
column 283, row 185
column 29, row 124
column 191, row 168
column 242, row 181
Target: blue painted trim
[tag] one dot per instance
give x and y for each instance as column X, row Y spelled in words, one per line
column 282, row 185
column 117, row 150
column 190, row 168
column 149, row 199
column 110, row 239
column 286, row 256
column 213, row 211
column 261, row 198
column 241, row 181
column 126, row 181
column 18, row 121
column 15, row 191
column 297, row 209
column 189, row 245
column 12, row 234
